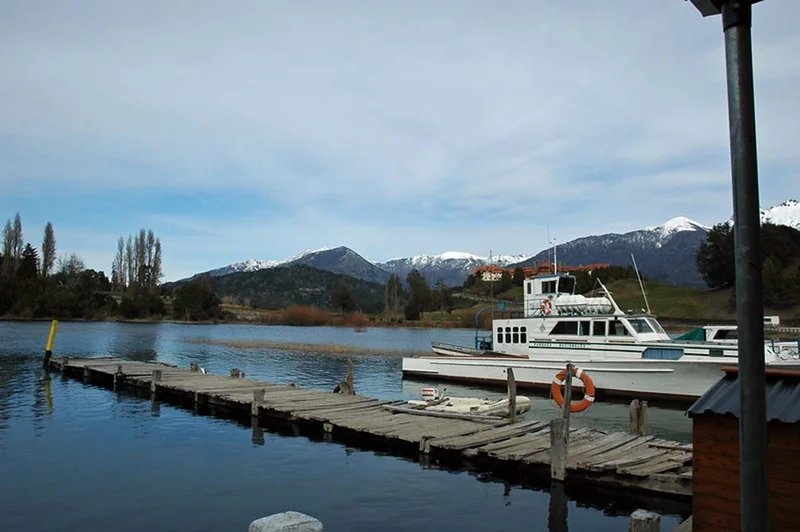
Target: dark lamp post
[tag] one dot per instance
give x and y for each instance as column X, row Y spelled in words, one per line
column 754, row 486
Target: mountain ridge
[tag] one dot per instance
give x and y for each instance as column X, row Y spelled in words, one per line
column 665, row 252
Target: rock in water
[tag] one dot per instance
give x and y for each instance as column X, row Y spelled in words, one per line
column 286, row 522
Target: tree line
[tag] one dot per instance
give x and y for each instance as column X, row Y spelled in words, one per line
column 39, row 283
column 780, row 248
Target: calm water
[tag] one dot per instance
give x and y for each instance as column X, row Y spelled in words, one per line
column 76, row 457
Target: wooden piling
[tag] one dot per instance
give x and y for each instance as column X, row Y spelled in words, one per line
column 156, row 379
column 644, row 521
column 87, row 376
column 235, row 373
column 642, row 419
column 350, row 386
column 558, row 449
column 512, row 395
column 565, row 408
column 633, row 414
column 258, row 398
column 118, row 377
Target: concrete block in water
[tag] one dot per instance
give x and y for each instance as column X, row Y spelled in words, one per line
column 286, row 522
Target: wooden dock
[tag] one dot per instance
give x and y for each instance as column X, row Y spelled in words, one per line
column 609, row 459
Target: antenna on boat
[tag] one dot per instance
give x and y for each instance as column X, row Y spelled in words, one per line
column 491, row 285
column 641, row 285
column 555, row 252
column 611, row 298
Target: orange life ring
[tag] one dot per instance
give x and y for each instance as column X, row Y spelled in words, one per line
column 588, row 389
column 546, row 306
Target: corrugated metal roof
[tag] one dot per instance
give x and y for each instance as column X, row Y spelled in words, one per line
column 783, row 397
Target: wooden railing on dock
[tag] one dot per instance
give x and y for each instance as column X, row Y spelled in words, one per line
column 613, row 459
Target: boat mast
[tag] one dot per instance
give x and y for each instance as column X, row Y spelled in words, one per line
column 641, row 285
column 491, row 286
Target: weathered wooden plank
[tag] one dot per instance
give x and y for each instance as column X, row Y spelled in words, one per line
column 596, row 462
column 488, row 436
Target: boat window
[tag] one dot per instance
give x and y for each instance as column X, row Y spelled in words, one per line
column 565, row 327
column 655, row 325
column 516, row 337
column 616, row 328
column 548, row 287
column 599, row 328
column 725, row 334
column 508, row 335
column 585, row 328
column 566, row 285
column 529, row 287
column 515, row 329
column 499, row 335
column 523, row 335
column 640, row 325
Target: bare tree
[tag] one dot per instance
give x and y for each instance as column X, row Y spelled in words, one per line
column 70, row 267
column 140, row 252
column 8, row 250
column 155, row 271
column 129, row 265
column 48, row 250
column 118, row 266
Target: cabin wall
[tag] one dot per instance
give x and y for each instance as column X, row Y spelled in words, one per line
column 716, row 504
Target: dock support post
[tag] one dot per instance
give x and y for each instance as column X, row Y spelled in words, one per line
column 87, row 376
column 118, row 377
column 644, row 521
column 512, row 395
column 64, row 363
column 633, row 414
column 235, row 373
column 559, row 433
column 351, row 388
column 48, row 350
column 558, row 449
column 258, row 398
column 156, row 379
column 643, row 418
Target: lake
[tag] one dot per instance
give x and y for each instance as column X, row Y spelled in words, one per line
column 78, row 457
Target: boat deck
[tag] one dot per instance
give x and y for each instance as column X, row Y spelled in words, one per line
column 605, row 458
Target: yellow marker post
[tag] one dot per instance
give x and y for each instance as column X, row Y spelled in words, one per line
column 48, row 351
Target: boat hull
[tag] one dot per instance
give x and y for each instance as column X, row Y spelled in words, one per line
column 667, row 380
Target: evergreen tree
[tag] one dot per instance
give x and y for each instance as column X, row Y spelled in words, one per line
column 341, row 298
column 715, row 258
column 29, row 263
column 519, row 276
column 505, row 281
column 420, row 290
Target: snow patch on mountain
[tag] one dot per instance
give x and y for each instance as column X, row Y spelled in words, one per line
column 677, row 225
column 786, row 213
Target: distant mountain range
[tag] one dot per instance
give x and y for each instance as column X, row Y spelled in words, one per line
column 665, row 252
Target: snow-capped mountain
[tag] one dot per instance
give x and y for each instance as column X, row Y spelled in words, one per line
column 253, row 265
column 340, row 260
column 452, row 267
column 786, row 213
column 665, row 252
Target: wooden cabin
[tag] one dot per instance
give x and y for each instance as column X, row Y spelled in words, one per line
column 715, row 420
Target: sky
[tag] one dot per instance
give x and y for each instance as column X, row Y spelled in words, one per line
column 259, row 129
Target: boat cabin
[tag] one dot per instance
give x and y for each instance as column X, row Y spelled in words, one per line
column 554, row 295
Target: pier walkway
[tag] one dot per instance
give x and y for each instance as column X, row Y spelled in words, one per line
column 610, row 459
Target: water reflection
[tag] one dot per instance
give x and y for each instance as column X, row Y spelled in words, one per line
column 130, row 452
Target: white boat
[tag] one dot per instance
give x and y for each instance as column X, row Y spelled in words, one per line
column 432, row 402
column 627, row 355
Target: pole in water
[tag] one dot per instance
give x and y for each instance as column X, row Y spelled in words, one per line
column 48, row 350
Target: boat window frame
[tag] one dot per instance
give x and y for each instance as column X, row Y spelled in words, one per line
column 500, row 335
column 603, row 324
column 633, row 325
